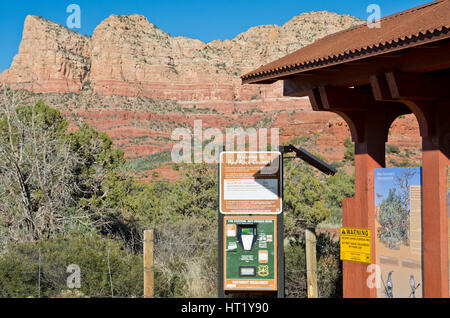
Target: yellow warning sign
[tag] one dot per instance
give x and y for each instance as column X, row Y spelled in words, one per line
column 355, row 245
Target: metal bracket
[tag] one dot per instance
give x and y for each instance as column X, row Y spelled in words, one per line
column 309, row 158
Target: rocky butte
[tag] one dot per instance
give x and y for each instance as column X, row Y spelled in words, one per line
column 138, row 83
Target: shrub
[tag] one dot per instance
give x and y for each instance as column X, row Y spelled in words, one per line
column 329, row 267
column 392, row 149
column 149, row 162
column 295, row 266
column 170, row 281
column 19, row 267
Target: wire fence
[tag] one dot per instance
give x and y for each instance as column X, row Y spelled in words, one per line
column 181, row 269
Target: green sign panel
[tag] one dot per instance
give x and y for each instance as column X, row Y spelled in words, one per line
column 250, row 253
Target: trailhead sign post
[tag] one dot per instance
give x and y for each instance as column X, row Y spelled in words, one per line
column 251, row 259
column 250, row 234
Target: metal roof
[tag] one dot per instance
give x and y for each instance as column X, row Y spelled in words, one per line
column 401, row 30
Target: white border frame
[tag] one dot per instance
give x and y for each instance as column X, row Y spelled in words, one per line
column 250, row 212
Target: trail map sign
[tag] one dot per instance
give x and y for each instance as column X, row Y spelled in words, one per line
column 250, row 253
column 355, row 245
column 250, row 182
column 398, row 224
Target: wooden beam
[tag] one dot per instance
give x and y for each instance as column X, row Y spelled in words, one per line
column 380, row 88
column 392, row 56
column 427, row 47
column 355, row 99
column 354, row 72
column 296, row 87
column 330, row 70
column 315, row 100
column 416, row 86
column 343, row 98
column 358, row 63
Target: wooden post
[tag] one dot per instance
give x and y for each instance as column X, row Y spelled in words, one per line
column 434, row 224
column 148, row 264
column 39, row 275
column 311, row 263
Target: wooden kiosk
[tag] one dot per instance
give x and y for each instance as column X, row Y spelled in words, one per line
column 370, row 76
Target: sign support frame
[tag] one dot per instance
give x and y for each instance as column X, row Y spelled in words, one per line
column 279, row 293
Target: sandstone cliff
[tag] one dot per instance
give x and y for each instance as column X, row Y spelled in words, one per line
column 127, row 55
column 51, row 58
column 138, row 83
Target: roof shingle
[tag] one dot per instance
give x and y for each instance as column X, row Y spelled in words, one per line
column 420, row 22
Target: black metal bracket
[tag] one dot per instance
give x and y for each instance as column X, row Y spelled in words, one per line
column 309, row 158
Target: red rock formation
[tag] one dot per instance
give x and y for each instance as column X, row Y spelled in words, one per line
column 51, row 58
column 128, row 61
column 129, row 56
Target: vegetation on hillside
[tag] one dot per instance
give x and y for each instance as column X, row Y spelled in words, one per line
column 68, row 198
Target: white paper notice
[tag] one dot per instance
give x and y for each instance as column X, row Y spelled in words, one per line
column 250, row 189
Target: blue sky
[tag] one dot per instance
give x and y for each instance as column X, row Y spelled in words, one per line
column 200, row 19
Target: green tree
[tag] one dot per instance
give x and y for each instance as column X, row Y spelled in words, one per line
column 196, row 193
column 338, row 187
column 37, row 183
column 45, row 171
column 303, row 196
column 98, row 158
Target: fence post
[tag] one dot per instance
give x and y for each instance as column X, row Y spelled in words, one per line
column 39, row 274
column 148, row 264
column 311, row 263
